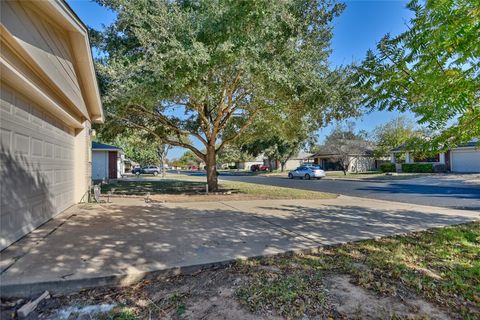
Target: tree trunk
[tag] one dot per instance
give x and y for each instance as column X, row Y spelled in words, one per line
column 164, row 172
column 211, row 163
column 282, row 166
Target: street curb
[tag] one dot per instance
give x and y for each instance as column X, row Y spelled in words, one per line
column 361, row 180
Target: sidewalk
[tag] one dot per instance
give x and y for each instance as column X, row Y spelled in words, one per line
column 122, row 242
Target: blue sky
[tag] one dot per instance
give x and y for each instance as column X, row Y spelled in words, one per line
column 358, row 29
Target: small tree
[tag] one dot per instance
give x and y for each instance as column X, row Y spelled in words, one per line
column 346, row 146
column 232, row 154
column 395, row 133
column 162, row 151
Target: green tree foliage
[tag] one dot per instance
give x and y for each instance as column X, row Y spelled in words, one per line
column 189, row 159
column 204, row 71
column 432, row 70
column 398, row 132
column 231, row 154
column 136, row 146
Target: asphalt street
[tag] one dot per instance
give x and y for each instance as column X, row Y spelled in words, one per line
column 455, row 197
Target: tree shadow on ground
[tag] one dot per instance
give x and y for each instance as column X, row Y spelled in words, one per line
column 121, row 244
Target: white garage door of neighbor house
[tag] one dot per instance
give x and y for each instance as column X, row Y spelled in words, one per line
column 36, row 171
column 467, row 160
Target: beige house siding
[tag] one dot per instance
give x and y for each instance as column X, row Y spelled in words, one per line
column 46, row 46
column 37, row 165
column 49, row 97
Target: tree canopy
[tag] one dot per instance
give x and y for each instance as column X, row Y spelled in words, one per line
column 432, row 69
column 203, row 71
column 400, row 131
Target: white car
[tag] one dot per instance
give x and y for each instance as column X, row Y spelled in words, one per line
column 307, row 173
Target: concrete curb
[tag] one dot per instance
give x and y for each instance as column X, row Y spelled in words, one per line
column 361, row 180
column 28, row 290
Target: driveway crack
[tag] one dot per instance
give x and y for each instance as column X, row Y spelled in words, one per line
column 279, row 226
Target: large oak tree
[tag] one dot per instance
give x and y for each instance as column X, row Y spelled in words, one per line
column 201, row 72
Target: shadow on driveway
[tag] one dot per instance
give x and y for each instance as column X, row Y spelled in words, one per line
column 119, row 244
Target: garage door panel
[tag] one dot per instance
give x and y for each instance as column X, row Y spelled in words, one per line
column 37, row 166
column 467, row 160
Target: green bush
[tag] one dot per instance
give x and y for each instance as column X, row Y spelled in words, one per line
column 417, row 167
column 388, row 167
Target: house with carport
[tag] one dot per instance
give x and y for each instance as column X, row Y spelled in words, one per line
column 49, row 100
column 463, row 158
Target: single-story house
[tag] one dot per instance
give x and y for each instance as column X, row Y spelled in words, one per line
column 296, row 161
column 49, row 98
column 246, row 165
column 357, row 162
column 107, row 162
column 464, row 158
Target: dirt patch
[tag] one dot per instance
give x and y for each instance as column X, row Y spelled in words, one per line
column 209, row 294
column 212, row 294
column 352, row 301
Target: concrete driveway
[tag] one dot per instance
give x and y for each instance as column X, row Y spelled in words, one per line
column 122, row 242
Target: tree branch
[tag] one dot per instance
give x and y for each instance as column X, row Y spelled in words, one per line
column 242, row 129
column 163, row 139
column 164, row 120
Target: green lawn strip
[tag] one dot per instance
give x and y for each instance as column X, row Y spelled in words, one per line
column 162, row 186
column 442, row 265
column 273, row 192
column 180, row 186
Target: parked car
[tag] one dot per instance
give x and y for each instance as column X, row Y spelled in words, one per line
column 259, row 167
column 307, row 173
column 136, row 170
column 151, row 170
column 146, row 170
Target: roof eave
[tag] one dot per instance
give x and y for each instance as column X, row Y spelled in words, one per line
column 60, row 12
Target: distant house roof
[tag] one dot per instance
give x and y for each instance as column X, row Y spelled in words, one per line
column 473, row 143
column 103, row 146
column 302, row 155
column 325, row 152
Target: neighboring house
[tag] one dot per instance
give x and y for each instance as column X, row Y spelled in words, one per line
column 464, row 158
column 246, row 165
column 49, row 98
column 107, row 162
column 296, row 161
column 358, row 162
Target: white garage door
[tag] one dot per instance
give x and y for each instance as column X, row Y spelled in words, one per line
column 36, row 170
column 467, row 160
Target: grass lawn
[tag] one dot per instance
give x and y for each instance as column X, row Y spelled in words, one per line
column 196, row 185
column 441, row 265
column 423, row 275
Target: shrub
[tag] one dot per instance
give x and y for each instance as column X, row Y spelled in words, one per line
column 417, row 167
column 388, row 167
